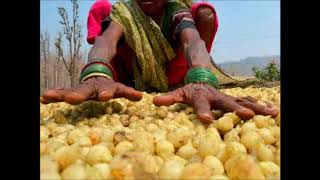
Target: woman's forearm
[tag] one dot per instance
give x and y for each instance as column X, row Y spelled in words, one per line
column 105, row 46
column 194, row 48
column 102, row 48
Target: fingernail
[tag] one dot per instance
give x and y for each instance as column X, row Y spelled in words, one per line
column 245, row 114
column 205, row 117
column 274, row 113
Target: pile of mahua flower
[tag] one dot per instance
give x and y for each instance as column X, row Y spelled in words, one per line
column 121, row 139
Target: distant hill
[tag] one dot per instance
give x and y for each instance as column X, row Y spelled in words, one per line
column 244, row 66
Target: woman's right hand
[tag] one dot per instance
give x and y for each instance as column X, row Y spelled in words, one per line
column 95, row 88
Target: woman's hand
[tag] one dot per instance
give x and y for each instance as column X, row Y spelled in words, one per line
column 94, row 88
column 203, row 97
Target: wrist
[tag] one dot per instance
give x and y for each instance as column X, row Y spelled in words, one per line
column 201, row 74
column 97, row 67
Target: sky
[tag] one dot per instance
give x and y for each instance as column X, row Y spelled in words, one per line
column 246, row 27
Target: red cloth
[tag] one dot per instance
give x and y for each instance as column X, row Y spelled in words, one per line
column 100, row 10
column 177, row 67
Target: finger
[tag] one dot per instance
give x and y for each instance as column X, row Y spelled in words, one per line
column 260, row 109
column 254, row 100
column 43, row 101
column 81, row 93
column 72, row 96
column 269, row 104
column 250, row 98
column 166, row 100
column 170, row 98
column 128, row 93
column 106, row 91
column 54, row 95
column 230, row 105
column 203, row 109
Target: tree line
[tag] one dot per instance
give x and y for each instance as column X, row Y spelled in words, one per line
column 61, row 58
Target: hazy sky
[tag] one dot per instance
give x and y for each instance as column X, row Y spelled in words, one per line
column 246, row 27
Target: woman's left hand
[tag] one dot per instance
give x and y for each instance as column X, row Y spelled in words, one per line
column 203, row 97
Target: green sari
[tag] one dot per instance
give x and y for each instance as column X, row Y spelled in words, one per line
column 151, row 43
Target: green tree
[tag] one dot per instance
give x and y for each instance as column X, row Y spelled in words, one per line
column 269, row 73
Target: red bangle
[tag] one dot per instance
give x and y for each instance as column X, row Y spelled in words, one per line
column 105, row 64
column 114, row 74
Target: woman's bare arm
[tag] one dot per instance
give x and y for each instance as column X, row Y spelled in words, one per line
column 105, row 46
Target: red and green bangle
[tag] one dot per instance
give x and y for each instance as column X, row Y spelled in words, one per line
column 201, row 74
column 97, row 68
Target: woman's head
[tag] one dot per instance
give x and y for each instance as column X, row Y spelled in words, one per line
column 151, row 7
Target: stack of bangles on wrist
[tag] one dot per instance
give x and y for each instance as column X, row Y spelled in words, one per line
column 201, row 75
column 97, row 67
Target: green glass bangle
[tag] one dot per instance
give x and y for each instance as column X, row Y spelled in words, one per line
column 200, row 74
column 96, row 68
